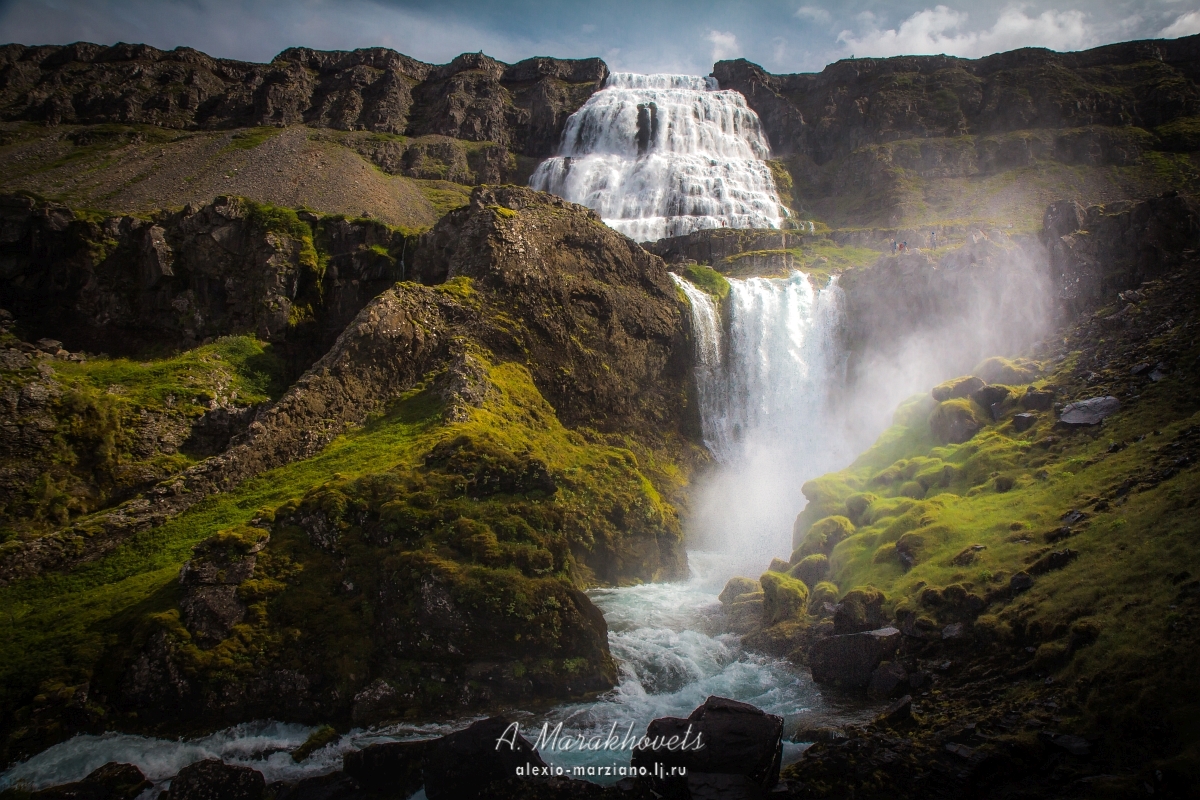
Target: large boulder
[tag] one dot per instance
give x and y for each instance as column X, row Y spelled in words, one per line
column 783, row 598
column 953, row 422
column 1092, row 411
column 113, row 781
column 212, row 779
column 388, row 766
column 460, row 766
column 737, row 586
column 849, row 661
column 811, row 570
column 860, row 610
column 738, row 739
column 957, row 387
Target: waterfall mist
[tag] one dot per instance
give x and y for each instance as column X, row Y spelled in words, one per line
column 795, row 382
column 665, row 155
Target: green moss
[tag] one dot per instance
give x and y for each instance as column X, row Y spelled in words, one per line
column 1180, row 135
column 315, row 741
column 250, row 138
column 707, row 279
column 784, row 598
column 503, row 212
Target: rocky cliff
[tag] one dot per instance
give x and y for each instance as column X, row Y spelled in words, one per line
column 471, row 451
column 520, row 107
column 893, row 141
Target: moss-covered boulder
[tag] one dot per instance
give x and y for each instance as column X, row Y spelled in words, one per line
column 811, row 569
column 956, row 388
column 822, row 599
column 823, row 536
column 860, row 610
column 954, row 421
column 736, row 587
column 1014, row 372
column 784, row 598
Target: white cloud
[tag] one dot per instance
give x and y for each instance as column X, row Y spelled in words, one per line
column 813, row 13
column 944, row 30
column 724, row 45
column 1186, row 25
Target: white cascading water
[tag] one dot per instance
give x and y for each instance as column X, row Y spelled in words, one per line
column 665, row 155
column 765, row 381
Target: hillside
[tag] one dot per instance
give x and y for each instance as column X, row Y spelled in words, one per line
column 928, row 140
column 129, row 128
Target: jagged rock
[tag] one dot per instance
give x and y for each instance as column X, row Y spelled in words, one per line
column 210, row 612
column 886, row 679
column 848, row 661
column 113, row 781
column 520, row 106
column 377, row 702
column 1020, row 582
column 1037, row 399
column 1023, row 421
column 476, row 746
column 213, row 780
column 389, row 766
column 738, row 739
column 898, row 712
column 1088, row 412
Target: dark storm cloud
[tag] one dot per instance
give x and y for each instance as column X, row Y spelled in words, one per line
column 640, row 36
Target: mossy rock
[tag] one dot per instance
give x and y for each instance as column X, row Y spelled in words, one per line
column 735, row 587
column 784, row 598
column 1014, row 372
column 811, row 569
column 860, row 610
column 822, row 593
column 954, row 421
column 857, row 505
column 824, row 535
column 779, row 565
column 956, row 388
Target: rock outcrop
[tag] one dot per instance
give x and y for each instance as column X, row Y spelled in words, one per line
column 869, row 101
column 233, row 266
column 519, row 107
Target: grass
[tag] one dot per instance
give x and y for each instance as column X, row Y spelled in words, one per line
column 501, row 506
column 250, row 138
column 708, row 279
column 445, row 196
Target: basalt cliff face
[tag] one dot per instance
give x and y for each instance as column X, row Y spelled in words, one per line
column 895, row 140
column 520, row 107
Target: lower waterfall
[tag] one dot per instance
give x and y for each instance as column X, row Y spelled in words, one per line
column 767, row 378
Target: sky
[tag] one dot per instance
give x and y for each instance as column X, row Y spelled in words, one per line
column 630, row 35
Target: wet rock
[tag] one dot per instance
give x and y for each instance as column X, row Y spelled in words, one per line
column 213, row 780
column 783, row 598
column 388, row 766
column 811, row 569
column 738, row 739
column 210, row 612
column 710, row 786
column 988, row 396
column 1023, row 421
column 822, row 733
column 334, row 786
column 1037, row 399
column 849, row 661
column 959, row 387
column 1052, row 561
column 476, row 746
column 1089, row 412
column 860, row 610
column 886, row 679
column 113, row 781
column 375, row 703
column 897, row 713
column 954, row 631
column 735, row 587
column 953, row 422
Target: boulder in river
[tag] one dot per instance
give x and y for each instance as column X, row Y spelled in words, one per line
column 113, row 781
column 849, row 661
column 391, row 766
column 460, row 766
column 738, row 740
column 1089, row 412
column 213, row 779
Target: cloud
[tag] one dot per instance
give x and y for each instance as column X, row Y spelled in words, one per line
column 724, row 45
column 944, row 30
column 813, row 13
column 1186, row 25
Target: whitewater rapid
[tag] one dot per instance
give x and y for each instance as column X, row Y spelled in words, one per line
column 665, row 155
column 666, row 638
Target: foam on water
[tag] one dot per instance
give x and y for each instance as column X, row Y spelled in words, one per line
column 665, row 155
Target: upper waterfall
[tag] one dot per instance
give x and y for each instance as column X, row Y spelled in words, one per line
column 665, row 155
